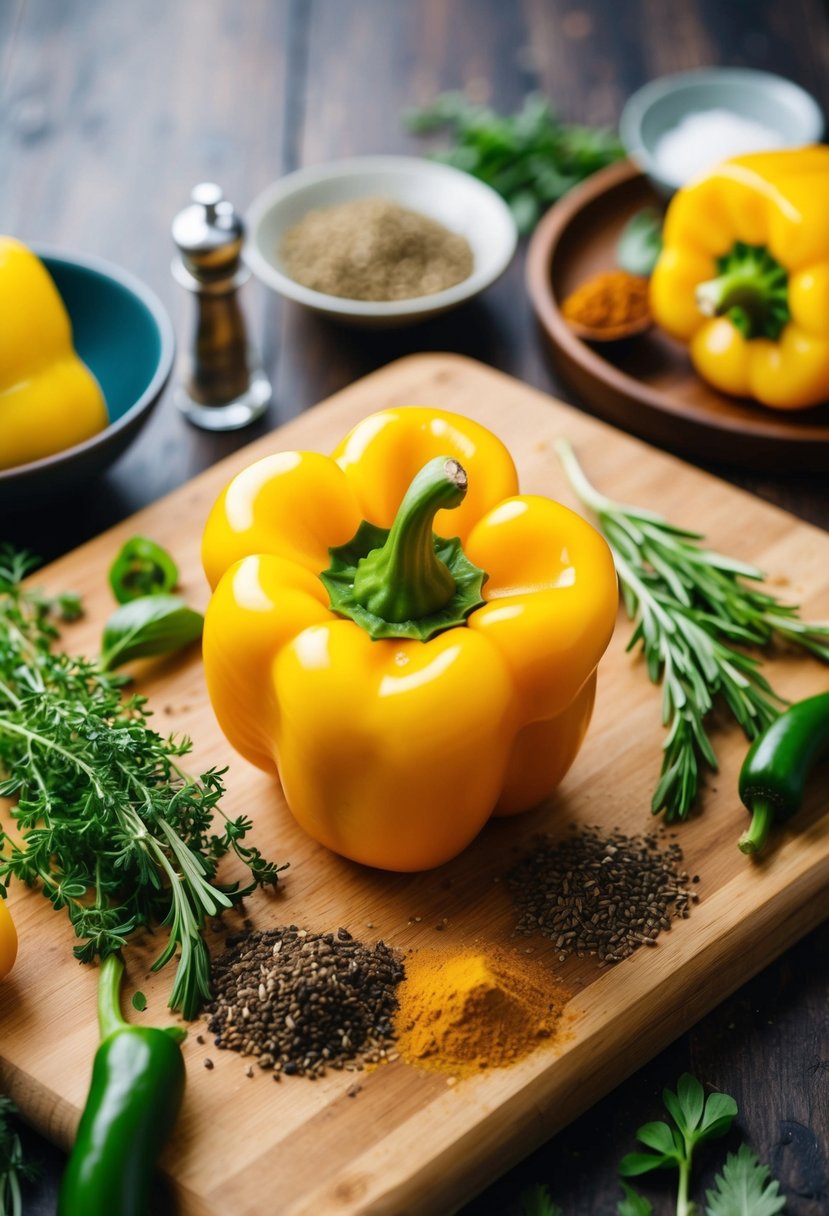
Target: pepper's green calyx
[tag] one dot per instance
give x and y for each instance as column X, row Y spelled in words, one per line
column 406, row 582
column 752, row 290
column 775, row 771
column 132, row 1105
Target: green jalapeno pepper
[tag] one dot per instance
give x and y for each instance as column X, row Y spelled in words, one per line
column 142, row 568
column 133, row 1102
column 774, row 773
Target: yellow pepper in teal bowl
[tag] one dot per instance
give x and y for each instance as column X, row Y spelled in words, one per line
column 743, row 277
column 405, row 639
column 49, row 399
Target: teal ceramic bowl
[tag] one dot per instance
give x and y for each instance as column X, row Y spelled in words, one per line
column 124, row 335
column 777, row 104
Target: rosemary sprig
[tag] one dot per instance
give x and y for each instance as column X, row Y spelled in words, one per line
column 108, row 825
column 693, row 610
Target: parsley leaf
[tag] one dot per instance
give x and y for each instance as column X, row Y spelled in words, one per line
column 744, row 1188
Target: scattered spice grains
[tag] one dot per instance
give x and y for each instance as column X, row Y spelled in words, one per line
column 465, row 1012
column 598, row 894
column 374, row 249
column 302, row 1002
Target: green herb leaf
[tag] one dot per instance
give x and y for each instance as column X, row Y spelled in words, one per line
column 640, row 242
column 139, row 1001
column 658, row 1136
column 744, row 1188
column 691, row 1098
column 531, row 158
column 720, row 1113
column 142, row 568
column 153, row 625
column 633, row 1203
column 634, row 1164
column 536, row 1201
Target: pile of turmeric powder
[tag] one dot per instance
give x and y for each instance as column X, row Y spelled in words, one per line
column 609, row 301
column 467, row 1012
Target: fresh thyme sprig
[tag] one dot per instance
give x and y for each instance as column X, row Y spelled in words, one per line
column 107, row 823
column 692, row 610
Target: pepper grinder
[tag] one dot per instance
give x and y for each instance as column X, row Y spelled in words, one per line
column 224, row 386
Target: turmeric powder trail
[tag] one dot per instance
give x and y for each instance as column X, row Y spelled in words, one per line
column 470, row 1011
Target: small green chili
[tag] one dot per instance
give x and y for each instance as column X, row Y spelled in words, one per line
column 133, row 1102
column 142, row 568
column 773, row 777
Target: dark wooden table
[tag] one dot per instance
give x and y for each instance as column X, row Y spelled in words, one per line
column 112, row 112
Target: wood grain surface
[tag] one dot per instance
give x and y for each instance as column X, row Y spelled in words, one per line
column 111, row 113
column 409, row 1142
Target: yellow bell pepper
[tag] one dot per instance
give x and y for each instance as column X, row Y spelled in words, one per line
column 403, row 686
column 743, row 277
column 8, row 940
column 49, row 400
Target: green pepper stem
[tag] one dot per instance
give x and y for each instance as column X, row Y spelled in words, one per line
column 752, row 290
column 110, row 1018
column 405, row 579
column 756, row 834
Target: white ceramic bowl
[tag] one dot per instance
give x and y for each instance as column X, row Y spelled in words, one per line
column 776, row 103
column 455, row 199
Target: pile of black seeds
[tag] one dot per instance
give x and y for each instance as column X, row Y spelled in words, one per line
column 597, row 894
column 303, row 1002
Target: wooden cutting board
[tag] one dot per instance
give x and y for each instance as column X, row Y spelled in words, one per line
column 409, row 1142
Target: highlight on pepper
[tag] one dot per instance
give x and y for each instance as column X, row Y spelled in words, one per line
column 743, row 277
column 49, row 399
column 407, row 641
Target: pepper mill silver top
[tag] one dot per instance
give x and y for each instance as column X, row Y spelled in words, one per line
column 224, row 386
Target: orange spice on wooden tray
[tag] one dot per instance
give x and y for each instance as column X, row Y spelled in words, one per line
column 465, row 1012
column 612, row 305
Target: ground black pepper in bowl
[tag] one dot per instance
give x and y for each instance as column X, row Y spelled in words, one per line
column 600, row 894
column 302, row 1002
column 374, row 249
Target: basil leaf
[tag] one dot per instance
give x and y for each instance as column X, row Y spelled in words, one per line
column 142, row 568
column 150, row 626
column 640, row 243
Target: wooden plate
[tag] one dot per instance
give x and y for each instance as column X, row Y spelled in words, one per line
column 647, row 384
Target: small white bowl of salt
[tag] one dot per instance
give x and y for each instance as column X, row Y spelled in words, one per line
column 681, row 125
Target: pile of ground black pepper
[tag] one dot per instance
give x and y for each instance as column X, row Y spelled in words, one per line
column 374, row 249
column 303, row 1002
column 597, row 894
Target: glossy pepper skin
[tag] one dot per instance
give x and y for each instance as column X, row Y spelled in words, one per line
column 743, row 277
column 133, row 1102
column 394, row 752
column 8, row 940
column 49, row 400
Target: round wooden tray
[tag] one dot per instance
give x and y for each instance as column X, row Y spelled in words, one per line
column 647, row 384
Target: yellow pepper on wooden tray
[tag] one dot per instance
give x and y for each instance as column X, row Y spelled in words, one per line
column 49, row 399
column 404, row 686
column 8, row 940
column 743, row 276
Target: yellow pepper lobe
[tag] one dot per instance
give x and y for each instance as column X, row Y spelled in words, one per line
column 395, row 752
column 743, row 274
column 49, row 400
